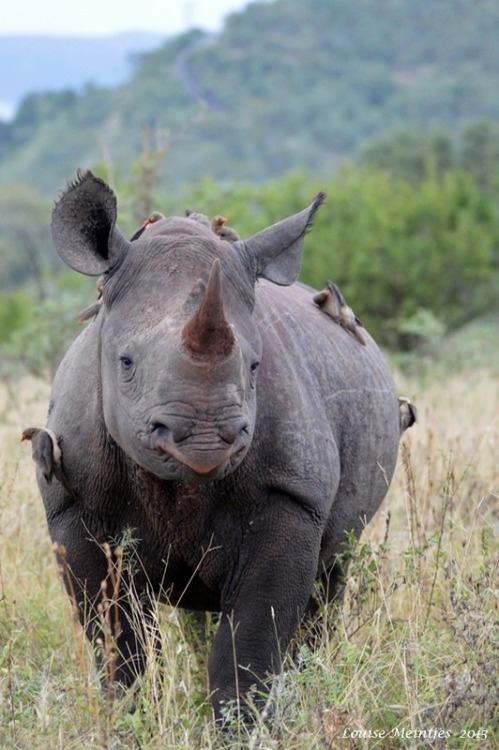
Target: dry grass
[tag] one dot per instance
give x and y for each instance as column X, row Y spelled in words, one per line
column 412, row 664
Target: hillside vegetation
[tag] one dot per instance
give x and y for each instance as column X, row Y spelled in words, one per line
column 44, row 63
column 415, row 257
column 288, row 84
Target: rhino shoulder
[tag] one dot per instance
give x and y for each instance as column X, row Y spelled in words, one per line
column 75, row 411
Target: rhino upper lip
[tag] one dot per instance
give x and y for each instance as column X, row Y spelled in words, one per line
column 198, row 458
column 219, row 457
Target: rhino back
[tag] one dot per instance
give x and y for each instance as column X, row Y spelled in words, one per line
column 327, row 408
column 314, row 345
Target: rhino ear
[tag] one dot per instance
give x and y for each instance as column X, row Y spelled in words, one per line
column 275, row 253
column 84, row 226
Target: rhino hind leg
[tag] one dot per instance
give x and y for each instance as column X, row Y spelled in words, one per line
column 329, row 592
column 334, row 580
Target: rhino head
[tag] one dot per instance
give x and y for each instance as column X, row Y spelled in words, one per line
column 178, row 349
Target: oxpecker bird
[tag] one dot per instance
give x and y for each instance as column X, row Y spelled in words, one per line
column 155, row 216
column 195, row 216
column 219, row 226
column 90, row 311
column 45, row 450
column 332, row 302
column 408, row 414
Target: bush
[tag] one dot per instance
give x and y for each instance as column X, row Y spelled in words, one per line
column 397, row 247
column 15, row 312
column 394, row 247
column 34, row 334
column 413, row 259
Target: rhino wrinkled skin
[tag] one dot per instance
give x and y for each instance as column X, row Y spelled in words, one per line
column 216, row 413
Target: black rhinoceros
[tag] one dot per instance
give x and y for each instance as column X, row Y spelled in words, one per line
column 216, row 412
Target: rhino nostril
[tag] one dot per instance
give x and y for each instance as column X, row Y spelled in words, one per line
column 237, row 430
column 173, row 430
column 160, row 435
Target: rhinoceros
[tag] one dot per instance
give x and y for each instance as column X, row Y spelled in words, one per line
column 215, row 413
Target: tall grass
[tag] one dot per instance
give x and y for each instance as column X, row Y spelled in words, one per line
column 411, row 661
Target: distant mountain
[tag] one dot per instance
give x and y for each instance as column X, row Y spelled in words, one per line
column 287, row 85
column 40, row 63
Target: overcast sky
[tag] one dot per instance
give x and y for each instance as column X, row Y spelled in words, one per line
column 103, row 17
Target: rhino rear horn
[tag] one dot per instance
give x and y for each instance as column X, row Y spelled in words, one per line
column 84, row 226
column 208, row 333
column 275, row 253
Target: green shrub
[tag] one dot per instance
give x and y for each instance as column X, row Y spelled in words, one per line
column 15, row 312
column 394, row 247
column 413, row 259
column 34, row 334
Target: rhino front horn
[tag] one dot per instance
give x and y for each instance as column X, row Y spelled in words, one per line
column 208, row 332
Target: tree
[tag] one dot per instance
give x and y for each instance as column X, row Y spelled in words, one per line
column 25, row 243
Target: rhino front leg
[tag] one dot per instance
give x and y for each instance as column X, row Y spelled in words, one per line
column 113, row 623
column 264, row 604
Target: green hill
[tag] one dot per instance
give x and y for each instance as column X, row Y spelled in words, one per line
column 44, row 63
column 290, row 84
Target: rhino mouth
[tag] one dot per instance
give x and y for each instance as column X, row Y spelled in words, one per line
column 204, row 464
column 203, row 459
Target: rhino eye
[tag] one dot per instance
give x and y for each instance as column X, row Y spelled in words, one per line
column 126, row 363
column 254, row 366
